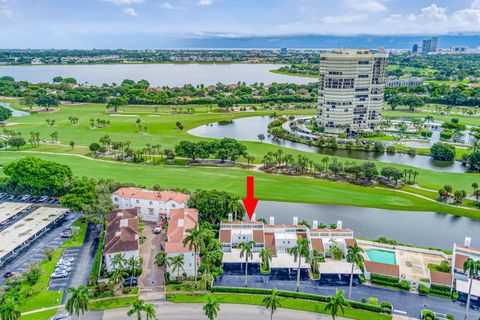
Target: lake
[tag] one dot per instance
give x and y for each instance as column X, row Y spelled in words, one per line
column 417, row 228
column 15, row 113
column 173, row 75
column 247, row 129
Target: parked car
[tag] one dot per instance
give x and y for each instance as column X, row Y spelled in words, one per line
column 59, row 274
column 8, row 275
column 25, row 197
column 63, row 268
column 43, row 199
column 63, row 263
column 157, row 229
column 130, row 282
column 67, row 259
column 66, row 234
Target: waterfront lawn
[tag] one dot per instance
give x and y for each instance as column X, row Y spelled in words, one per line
column 465, row 119
column 115, row 303
column 289, row 303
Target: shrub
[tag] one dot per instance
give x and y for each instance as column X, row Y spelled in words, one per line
column 423, row 289
column 428, row 315
column 373, row 300
column 446, row 134
column 442, row 151
column 440, row 290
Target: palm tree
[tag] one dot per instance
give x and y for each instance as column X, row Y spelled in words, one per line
column 194, row 239
column 266, row 256
column 335, row 303
column 209, row 252
column 132, row 262
column 272, row 302
column 137, row 308
column 299, row 251
column 118, row 275
column 354, row 256
column 9, row 310
column 314, row 256
column 176, row 263
column 150, row 312
column 211, row 308
column 160, row 258
column 118, row 260
column 246, row 250
column 472, row 268
column 234, row 207
column 78, row 302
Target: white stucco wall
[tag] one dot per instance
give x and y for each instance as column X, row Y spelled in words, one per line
column 127, row 255
column 188, row 265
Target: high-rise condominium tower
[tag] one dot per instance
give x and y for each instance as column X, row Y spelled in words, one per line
column 351, row 88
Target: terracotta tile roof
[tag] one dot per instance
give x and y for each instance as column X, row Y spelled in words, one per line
column 225, row 236
column 350, row 242
column 385, row 269
column 258, row 236
column 459, row 260
column 332, row 230
column 144, row 194
column 270, row 242
column 180, row 221
column 471, row 249
column 317, row 244
column 441, row 278
column 122, row 232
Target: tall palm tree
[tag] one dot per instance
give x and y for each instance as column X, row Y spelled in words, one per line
column 209, row 252
column 272, row 302
column 234, row 207
column 150, row 312
column 118, row 275
column 472, row 268
column 9, row 310
column 132, row 262
column 78, row 302
column 211, row 308
column 299, row 251
column 266, row 256
column 246, row 250
column 336, row 303
column 176, row 263
column 354, row 256
column 137, row 308
column 194, row 239
column 314, row 256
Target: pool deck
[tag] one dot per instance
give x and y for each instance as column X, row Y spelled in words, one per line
column 413, row 265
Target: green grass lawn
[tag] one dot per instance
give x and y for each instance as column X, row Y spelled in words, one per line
column 465, row 119
column 121, row 302
column 268, row 187
column 305, row 75
column 42, row 315
column 289, row 303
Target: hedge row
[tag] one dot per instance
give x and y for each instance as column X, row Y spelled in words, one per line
column 403, row 285
column 384, row 307
column 379, row 277
column 440, row 290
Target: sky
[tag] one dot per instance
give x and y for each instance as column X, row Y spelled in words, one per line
column 138, row 24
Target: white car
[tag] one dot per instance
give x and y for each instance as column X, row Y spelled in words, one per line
column 59, row 274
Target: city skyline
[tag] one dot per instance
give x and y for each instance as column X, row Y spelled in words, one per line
column 139, row 24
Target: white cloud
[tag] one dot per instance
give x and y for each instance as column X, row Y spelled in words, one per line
column 205, row 2
column 5, row 11
column 130, row 11
column 366, row 5
column 169, row 6
column 124, row 2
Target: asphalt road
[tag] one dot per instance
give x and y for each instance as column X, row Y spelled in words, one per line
column 403, row 302
column 194, row 311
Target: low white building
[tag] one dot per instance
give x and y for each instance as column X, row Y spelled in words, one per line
column 151, row 205
column 180, row 221
column 121, row 236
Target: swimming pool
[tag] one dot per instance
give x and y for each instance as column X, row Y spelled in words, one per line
column 382, row 256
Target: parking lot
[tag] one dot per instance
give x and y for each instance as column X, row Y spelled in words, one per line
column 64, row 283
column 12, row 212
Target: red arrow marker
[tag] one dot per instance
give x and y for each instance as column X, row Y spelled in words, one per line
column 250, row 203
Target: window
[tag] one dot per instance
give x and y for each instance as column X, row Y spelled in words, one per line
column 150, row 202
column 116, row 199
column 173, row 205
column 137, row 201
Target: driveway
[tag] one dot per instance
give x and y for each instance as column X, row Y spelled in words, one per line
column 151, row 283
column 404, row 303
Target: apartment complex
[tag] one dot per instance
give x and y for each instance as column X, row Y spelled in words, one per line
column 429, row 45
column 351, row 90
column 151, row 205
column 460, row 278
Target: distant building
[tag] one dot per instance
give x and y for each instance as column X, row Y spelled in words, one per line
column 404, row 82
column 151, row 205
column 180, row 221
column 121, row 236
column 283, row 50
column 415, row 48
column 429, row 45
column 37, row 61
column 351, row 90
